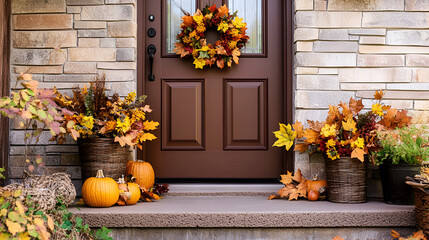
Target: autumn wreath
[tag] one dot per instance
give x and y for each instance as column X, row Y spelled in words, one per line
column 192, row 39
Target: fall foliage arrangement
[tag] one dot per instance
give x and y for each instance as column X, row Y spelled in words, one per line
column 192, row 40
column 346, row 131
column 296, row 186
column 93, row 114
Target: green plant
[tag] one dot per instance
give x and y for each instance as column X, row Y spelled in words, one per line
column 34, row 110
column 406, row 145
column 21, row 219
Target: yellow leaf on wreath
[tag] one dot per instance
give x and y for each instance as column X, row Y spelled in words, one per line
column 359, row 154
column 150, row 125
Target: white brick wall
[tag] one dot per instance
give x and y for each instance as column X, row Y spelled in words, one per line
column 350, row 48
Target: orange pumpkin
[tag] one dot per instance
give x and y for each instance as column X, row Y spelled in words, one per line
column 313, row 195
column 315, row 184
column 129, row 193
column 143, row 172
column 135, row 193
column 100, row 191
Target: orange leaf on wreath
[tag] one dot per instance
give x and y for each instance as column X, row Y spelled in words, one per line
column 235, row 54
column 223, row 11
column 220, row 64
column 187, row 21
column 212, row 8
column 180, row 49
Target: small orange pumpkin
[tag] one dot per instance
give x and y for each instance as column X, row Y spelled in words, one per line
column 100, row 191
column 143, row 172
column 129, row 193
column 135, row 193
column 313, row 195
column 315, row 184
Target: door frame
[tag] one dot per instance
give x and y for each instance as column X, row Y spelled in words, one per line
column 287, row 75
column 4, row 85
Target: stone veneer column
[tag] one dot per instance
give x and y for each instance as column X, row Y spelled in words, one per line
column 350, row 48
column 66, row 43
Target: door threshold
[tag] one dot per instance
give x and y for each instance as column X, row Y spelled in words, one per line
column 207, row 189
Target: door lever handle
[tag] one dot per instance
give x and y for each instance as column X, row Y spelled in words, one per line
column 151, row 50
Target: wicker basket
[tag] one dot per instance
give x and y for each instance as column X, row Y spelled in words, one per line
column 346, row 179
column 421, row 201
column 105, row 154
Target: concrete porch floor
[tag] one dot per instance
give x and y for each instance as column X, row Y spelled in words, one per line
column 222, row 206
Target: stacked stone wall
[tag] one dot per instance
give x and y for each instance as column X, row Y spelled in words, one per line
column 350, row 48
column 67, row 43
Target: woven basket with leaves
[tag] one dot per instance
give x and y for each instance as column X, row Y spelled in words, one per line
column 346, row 179
column 105, row 154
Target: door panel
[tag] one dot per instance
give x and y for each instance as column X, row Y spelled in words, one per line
column 183, row 115
column 216, row 123
column 245, row 114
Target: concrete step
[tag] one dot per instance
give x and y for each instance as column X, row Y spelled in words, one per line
column 240, row 211
column 247, row 212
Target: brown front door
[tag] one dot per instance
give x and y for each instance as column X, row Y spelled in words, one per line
column 216, row 123
column 4, row 81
